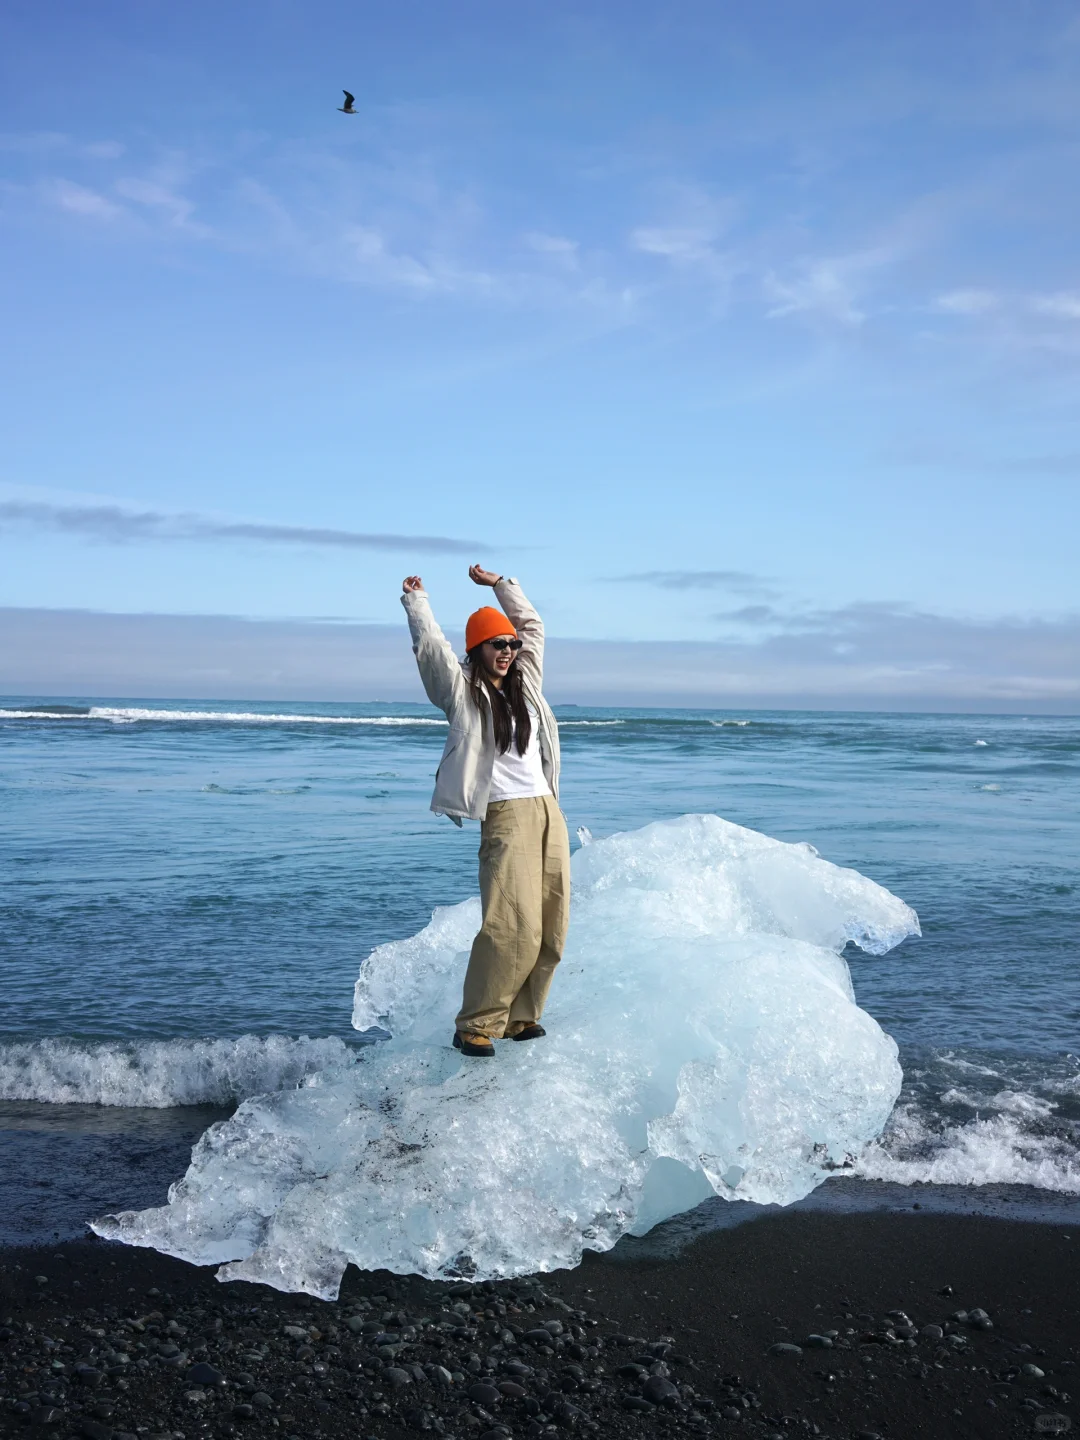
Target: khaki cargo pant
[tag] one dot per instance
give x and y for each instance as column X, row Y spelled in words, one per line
column 525, row 891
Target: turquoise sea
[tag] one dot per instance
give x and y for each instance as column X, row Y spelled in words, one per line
column 183, row 879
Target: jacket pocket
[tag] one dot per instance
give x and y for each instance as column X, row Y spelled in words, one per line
column 453, row 741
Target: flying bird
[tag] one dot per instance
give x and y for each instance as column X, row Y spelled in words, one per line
column 347, row 108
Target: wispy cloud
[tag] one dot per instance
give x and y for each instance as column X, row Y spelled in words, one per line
column 829, row 288
column 1063, row 306
column 114, row 525
column 42, row 142
column 967, row 302
column 80, row 200
column 555, row 245
column 175, row 209
column 738, row 582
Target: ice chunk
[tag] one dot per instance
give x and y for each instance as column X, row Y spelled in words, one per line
column 703, row 1037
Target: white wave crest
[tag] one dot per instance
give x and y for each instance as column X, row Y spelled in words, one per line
column 703, row 1038
column 720, row 724
column 563, row 724
column 158, row 1074
column 131, row 715
column 128, row 716
column 1002, row 1149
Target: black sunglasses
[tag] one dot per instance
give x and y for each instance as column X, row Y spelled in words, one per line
column 506, row 644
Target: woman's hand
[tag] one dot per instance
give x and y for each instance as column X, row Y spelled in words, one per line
column 479, row 576
column 412, row 583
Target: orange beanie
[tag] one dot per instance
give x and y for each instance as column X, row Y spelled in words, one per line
column 484, row 625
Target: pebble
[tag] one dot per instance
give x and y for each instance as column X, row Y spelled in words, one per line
column 203, row 1374
column 660, row 1391
column 395, row 1376
column 817, row 1342
column 1032, row 1372
column 483, row 1394
column 94, row 1429
column 783, row 1347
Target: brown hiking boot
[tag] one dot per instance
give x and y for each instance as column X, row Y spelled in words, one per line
column 477, row 1045
column 529, row 1032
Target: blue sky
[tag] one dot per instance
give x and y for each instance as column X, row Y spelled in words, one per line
column 757, row 328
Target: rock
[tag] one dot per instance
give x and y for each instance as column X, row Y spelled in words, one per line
column 203, row 1374
column 553, row 1327
column 511, row 1389
column 660, row 1391
column 41, row 1279
column 396, row 1377
column 441, row 1376
column 782, row 1347
column 262, row 1400
column 94, row 1429
column 297, row 1332
column 932, row 1332
column 88, row 1376
column 194, row 1397
column 635, row 1402
column 243, row 1412
column 46, row 1415
column 817, row 1342
column 355, row 1323
column 483, row 1394
column 1031, row 1372
column 632, row 1371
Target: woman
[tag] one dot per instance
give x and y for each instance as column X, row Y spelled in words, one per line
column 500, row 766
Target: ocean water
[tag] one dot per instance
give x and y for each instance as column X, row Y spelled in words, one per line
column 191, row 887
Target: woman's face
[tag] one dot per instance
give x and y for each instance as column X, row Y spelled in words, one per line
column 497, row 662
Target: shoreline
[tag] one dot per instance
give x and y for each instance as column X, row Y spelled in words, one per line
column 708, row 1315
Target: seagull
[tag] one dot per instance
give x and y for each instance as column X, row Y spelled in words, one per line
column 347, row 108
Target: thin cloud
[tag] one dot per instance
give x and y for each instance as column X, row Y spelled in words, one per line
column 1063, row 306
column 80, row 200
column 739, row 582
column 967, row 302
column 827, row 289
column 116, row 526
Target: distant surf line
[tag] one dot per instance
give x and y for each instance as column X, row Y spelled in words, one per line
column 132, row 715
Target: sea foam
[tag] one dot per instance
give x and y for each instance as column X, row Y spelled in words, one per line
column 703, row 1038
column 158, row 1074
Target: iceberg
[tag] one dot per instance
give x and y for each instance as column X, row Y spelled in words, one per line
column 703, row 1038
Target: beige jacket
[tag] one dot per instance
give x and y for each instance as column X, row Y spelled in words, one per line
column 463, row 779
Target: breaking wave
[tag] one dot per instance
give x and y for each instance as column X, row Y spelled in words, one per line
column 158, row 1074
column 131, row 715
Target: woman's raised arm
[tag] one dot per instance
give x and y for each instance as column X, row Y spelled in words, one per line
column 440, row 670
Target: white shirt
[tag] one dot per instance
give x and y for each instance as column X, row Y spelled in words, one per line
column 519, row 777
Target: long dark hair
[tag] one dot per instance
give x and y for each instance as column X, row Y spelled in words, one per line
column 504, row 703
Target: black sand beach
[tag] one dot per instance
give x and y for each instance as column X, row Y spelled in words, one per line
column 101, row 1341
